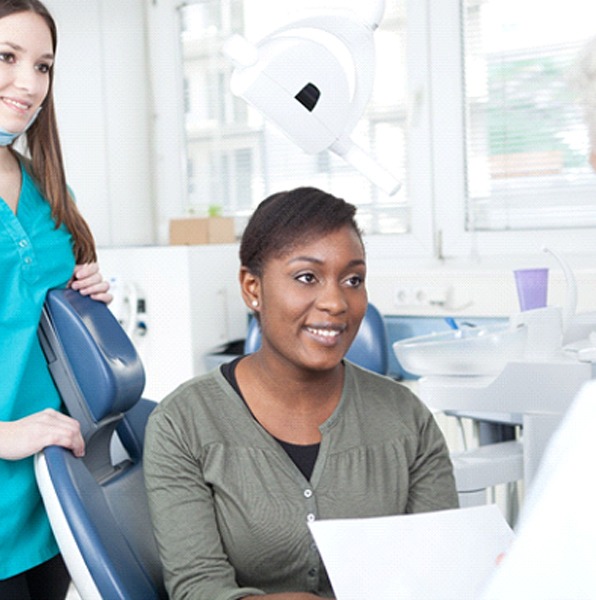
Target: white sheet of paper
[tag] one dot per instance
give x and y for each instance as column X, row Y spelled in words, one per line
column 443, row 555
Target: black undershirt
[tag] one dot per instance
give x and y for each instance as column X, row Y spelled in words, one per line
column 303, row 456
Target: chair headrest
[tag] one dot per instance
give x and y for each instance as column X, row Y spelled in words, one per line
column 102, row 358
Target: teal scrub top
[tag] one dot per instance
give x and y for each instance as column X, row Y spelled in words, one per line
column 34, row 257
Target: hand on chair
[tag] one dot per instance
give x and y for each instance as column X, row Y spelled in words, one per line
column 25, row 437
column 87, row 279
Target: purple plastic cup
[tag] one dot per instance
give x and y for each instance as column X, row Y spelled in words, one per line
column 532, row 287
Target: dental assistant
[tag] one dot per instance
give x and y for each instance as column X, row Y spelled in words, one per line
column 238, row 461
column 44, row 243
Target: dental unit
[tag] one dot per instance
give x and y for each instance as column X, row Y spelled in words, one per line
column 521, row 369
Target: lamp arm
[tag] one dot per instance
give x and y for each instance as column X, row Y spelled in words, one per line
column 363, row 162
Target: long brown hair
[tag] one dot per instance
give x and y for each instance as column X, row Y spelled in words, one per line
column 43, row 145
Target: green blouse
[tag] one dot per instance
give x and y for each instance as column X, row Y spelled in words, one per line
column 230, row 508
column 34, row 257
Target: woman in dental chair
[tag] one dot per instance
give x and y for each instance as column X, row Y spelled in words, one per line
column 44, row 243
column 238, row 461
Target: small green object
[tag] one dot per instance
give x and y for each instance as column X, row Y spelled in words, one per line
column 214, row 210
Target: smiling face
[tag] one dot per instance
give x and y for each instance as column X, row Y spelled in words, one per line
column 311, row 300
column 26, row 58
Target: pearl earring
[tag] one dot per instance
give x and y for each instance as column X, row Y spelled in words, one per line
column 255, row 303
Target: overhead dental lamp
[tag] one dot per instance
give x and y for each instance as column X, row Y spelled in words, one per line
column 313, row 78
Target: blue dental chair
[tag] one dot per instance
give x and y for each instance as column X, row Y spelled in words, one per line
column 97, row 504
column 369, row 349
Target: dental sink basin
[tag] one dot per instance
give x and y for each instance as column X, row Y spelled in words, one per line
column 470, row 351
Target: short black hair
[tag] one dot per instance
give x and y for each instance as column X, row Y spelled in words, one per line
column 287, row 218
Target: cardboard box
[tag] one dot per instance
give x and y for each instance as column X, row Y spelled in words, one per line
column 202, row 230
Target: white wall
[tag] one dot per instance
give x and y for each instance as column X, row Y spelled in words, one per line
column 102, row 99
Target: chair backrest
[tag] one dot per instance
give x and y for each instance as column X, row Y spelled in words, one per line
column 97, row 505
column 369, row 349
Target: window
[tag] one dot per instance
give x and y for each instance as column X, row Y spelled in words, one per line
column 235, row 158
column 501, row 186
column 526, row 142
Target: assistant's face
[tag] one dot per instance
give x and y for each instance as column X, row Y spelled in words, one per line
column 26, row 57
column 313, row 299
